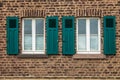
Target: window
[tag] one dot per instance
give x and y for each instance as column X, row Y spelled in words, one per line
column 12, row 23
column 88, row 36
column 68, row 23
column 33, row 36
column 109, row 22
column 52, row 23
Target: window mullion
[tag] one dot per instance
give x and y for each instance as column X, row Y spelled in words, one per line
column 99, row 41
column 33, row 35
column 44, row 35
column 77, row 33
column 23, row 35
column 88, row 35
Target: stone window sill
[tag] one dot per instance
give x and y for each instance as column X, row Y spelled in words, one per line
column 32, row 56
column 89, row 56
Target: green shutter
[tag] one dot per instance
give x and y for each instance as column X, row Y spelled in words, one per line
column 12, row 35
column 109, row 35
column 52, row 35
column 68, row 35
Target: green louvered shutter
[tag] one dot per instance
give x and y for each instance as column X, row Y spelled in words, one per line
column 68, row 35
column 109, row 35
column 52, row 35
column 12, row 35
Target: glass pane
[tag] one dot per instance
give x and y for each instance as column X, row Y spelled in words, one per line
column 93, row 26
column 68, row 23
column 109, row 22
column 39, row 26
column 39, row 42
column 27, row 26
column 81, row 26
column 28, row 42
column 12, row 23
column 81, row 42
column 52, row 23
column 94, row 43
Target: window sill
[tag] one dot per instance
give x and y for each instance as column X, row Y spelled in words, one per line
column 89, row 56
column 33, row 52
column 32, row 56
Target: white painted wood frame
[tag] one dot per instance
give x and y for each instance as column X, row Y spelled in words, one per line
column 33, row 51
column 87, row 51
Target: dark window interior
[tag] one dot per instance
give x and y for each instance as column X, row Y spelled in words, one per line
column 12, row 23
column 52, row 23
column 68, row 23
column 109, row 22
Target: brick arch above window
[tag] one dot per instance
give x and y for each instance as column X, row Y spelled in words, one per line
column 88, row 12
column 32, row 13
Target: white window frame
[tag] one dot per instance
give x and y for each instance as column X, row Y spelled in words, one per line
column 88, row 37
column 33, row 51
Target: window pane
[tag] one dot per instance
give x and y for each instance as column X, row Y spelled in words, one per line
column 39, row 26
column 94, row 43
column 28, row 42
column 27, row 26
column 52, row 23
column 39, row 42
column 93, row 26
column 68, row 23
column 81, row 42
column 12, row 23
column 109, row 22
column 81, row 26
column 39, row 34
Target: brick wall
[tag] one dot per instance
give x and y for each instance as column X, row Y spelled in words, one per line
column 58, row 65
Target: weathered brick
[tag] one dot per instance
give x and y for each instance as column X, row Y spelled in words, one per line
column 58, row 66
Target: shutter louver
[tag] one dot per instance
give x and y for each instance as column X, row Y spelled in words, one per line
column 68, row 35
column 52, row 35
column 12, row 35
column 109, row 35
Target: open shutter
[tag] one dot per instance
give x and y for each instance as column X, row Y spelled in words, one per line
column 109, row 35
column 68, row 35
column 52, row 35
column 12, row 35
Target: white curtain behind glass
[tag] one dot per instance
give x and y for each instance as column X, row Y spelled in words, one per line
column 94, row 34
column 39, row 34
column 82, row 34
column 27, row 34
